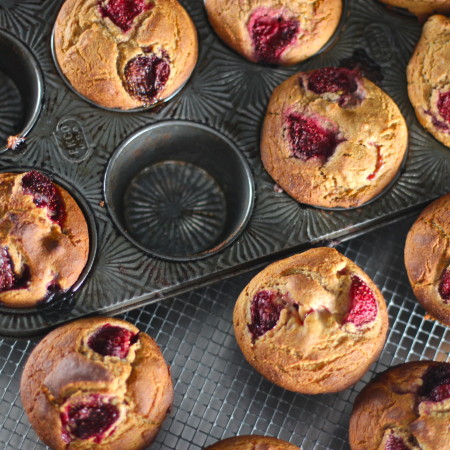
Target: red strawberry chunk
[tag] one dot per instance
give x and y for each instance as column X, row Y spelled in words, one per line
column 122, row 12
column 271, row 35
column 363, row 305
column 444, row 105
column 265, row 312
column 45, row 195
column 444, row 285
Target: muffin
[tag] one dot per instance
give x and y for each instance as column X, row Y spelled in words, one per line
column 275, row 32
column 96, row 382
column 252, row 443
column 125, row 54
column 429, row 80
column 44, row 239
column 332, row 138
column 427, row 259
column 405, row 408
column 421, row 8
column 311, row 323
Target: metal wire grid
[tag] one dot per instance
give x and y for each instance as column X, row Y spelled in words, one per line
column 217, row 394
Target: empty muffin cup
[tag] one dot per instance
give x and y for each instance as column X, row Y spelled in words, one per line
column 179, row 190
column 21, row 90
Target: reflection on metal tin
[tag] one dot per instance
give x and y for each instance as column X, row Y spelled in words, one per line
column 71, row 140
column 380, row 42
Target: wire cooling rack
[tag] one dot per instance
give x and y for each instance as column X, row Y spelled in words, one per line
column 217, row 393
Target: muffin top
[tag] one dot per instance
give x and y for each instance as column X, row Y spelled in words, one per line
column 272, row 31
column 311, row 323
column 429, row 78
column 44, row 239
column 252, row 442
column 125, row 53
column 421, row 8
column 427, row 258
column 332, row 138
column 405, row 408
column 96, row 382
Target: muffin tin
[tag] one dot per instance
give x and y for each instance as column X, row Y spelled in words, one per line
column 224, row 100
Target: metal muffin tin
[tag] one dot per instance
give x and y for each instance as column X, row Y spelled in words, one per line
column 227, row 97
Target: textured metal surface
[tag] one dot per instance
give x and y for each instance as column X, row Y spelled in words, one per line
column 217, row 393
column 75, row 140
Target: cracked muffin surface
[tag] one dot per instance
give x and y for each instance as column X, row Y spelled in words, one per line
column 96, row 383
column 421, row 8
column 252, row 442
column 406, row 407
column 332, row 138
column 429, row 79
column 427, row 259
column 125, row 54
column 273, row 31
column 311, row 323
column 44, row 239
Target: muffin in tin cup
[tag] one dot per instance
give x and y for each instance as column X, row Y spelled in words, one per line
column 122, row 54
column 45, row 239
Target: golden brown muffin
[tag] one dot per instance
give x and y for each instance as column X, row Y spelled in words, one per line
column 44, row 239
column 272, row 31
column 427, row 259
column 311, row 323
column 96, row 383
column 332, row 138
column 125, row 53
column 429, row 78
column 421, row 8
column 405, row 408
column 252, row 443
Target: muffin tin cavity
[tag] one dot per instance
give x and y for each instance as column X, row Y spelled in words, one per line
column 179, row 190
column 21, row 89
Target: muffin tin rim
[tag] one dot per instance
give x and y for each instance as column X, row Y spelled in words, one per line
column 40, row 84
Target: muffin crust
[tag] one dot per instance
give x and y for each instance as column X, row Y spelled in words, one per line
column 43, row 248
column 421, row 8
column 311, row 323
column 125, row 59
column 252, row 443
column 427, row 259
column 429, row 80
column 119, row 377
column 274, row 31
column 406, row 407
column 332, row 138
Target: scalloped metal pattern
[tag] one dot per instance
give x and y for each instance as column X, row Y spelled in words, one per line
column 175, row 209
column 11, row 109
column 76, row 139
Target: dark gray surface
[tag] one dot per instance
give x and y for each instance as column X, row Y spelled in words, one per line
column 217, row 394
column 229, row 95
